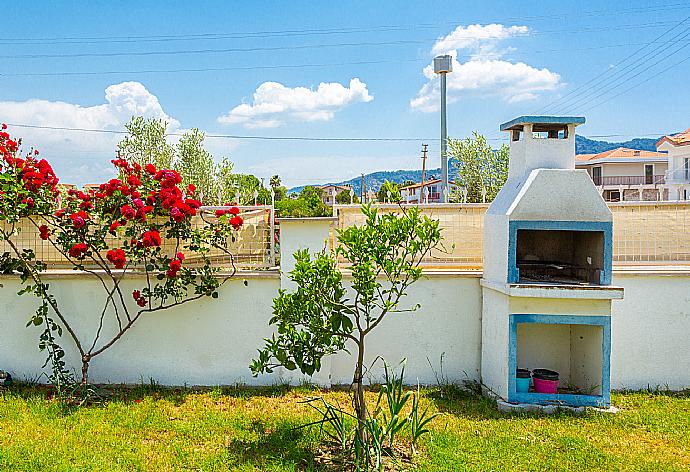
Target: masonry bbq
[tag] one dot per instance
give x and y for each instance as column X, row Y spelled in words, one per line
column 547, row 270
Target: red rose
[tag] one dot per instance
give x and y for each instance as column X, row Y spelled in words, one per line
column 77, row 220
column 176, row 214
column 180, row 256
column 234, row 211
column 133, row 180
column 175, row 266
column 141, row 301
column 128, row 212
column 60, row 213
column 113, row 227
column 236, row 222
column 136, row 294
column 151, row 238
column 117, row 257
column 78, row 250
column 220, row 213
column 44, row 232
column 150, row 168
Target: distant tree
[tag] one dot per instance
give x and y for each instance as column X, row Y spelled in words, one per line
column 145, row 143
column 275, row 182
column 478, row 167
column 344, row 198
column 394, row 190
column 308, row 203
column 196, row 166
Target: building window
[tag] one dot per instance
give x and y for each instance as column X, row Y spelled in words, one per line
column 612, row 195
column 596, row 175
column 649, row 174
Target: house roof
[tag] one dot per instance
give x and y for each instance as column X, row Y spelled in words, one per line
column 427, row 183
column 341, row 187
column 678, row 139
column 621, row 154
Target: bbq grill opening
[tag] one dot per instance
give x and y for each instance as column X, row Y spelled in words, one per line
column 560, row 256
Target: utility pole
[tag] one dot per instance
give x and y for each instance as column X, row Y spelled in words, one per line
column 443, row 65
column 363, row 190
column 421, row 189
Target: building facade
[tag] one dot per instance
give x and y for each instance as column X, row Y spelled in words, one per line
column 627, row 174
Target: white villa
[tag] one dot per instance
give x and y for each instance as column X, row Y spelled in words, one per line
column 430, row 191
column 633, row 174
column 677, row 147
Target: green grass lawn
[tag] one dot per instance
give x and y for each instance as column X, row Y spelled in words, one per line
column 246, row 429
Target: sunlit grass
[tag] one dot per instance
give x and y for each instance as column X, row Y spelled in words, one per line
column 151, row 428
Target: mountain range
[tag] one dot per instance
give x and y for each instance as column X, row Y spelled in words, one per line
column 583, row 145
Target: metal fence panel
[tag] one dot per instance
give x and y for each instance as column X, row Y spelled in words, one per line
column 253, row 246
column 643, row 232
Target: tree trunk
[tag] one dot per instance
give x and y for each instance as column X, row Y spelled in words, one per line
column 85, row 369
column 359, row 402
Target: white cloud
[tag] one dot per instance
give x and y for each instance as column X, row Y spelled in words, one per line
column 84, row 157
column 475, row 36
column 486, row 72
column 274, row 104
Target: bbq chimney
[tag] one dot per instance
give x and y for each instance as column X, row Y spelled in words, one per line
column 547, row 270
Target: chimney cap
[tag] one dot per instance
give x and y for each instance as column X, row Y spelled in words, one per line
column 519, row 122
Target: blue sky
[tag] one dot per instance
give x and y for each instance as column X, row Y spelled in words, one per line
column 513, row 58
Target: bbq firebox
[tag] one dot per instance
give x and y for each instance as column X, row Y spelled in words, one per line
column 547, row 270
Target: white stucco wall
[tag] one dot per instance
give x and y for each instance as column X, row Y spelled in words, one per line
column 650, row 332
column 212, row 342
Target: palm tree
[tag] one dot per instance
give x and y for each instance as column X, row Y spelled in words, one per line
column 275, row 182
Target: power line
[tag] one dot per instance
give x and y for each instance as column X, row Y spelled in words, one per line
column 615, row 82
column 583, row 87
column 226, row 136
column 300, row 138
column 298, row 47
column 640, row 83
column 321, row 31
column 299, row 66
column 205, row 69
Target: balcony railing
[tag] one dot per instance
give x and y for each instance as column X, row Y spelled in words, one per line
column 629, row 180
column 678, row 175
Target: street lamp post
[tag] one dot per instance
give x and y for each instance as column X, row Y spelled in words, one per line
column 443, row 65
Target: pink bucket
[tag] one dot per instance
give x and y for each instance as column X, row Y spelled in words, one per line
column 545, row 386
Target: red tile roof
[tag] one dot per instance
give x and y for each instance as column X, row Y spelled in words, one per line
column 678, row 139
column 621, row 153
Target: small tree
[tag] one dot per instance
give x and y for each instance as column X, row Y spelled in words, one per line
column 121, row 228
column 321, row 316
column 145, row 143
column 344, row 198
column 197, row 167
column 478, row 167
column 393, row 189
column 308, row 203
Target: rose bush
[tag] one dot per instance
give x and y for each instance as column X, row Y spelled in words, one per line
column 139, row 221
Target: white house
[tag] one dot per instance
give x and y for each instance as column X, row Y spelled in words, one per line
column 678, row 174
column 625, row 174
column 417, row 192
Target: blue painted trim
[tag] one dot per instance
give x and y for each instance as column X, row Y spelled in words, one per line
column 565, row 399
column 543, row 119
column 603, row 226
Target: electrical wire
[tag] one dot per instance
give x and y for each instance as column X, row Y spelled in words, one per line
column 322, row 31
column 583, row 88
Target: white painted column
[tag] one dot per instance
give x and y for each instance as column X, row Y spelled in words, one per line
column 312, row 234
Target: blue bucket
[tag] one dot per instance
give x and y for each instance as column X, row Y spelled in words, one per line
column 522, row 378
